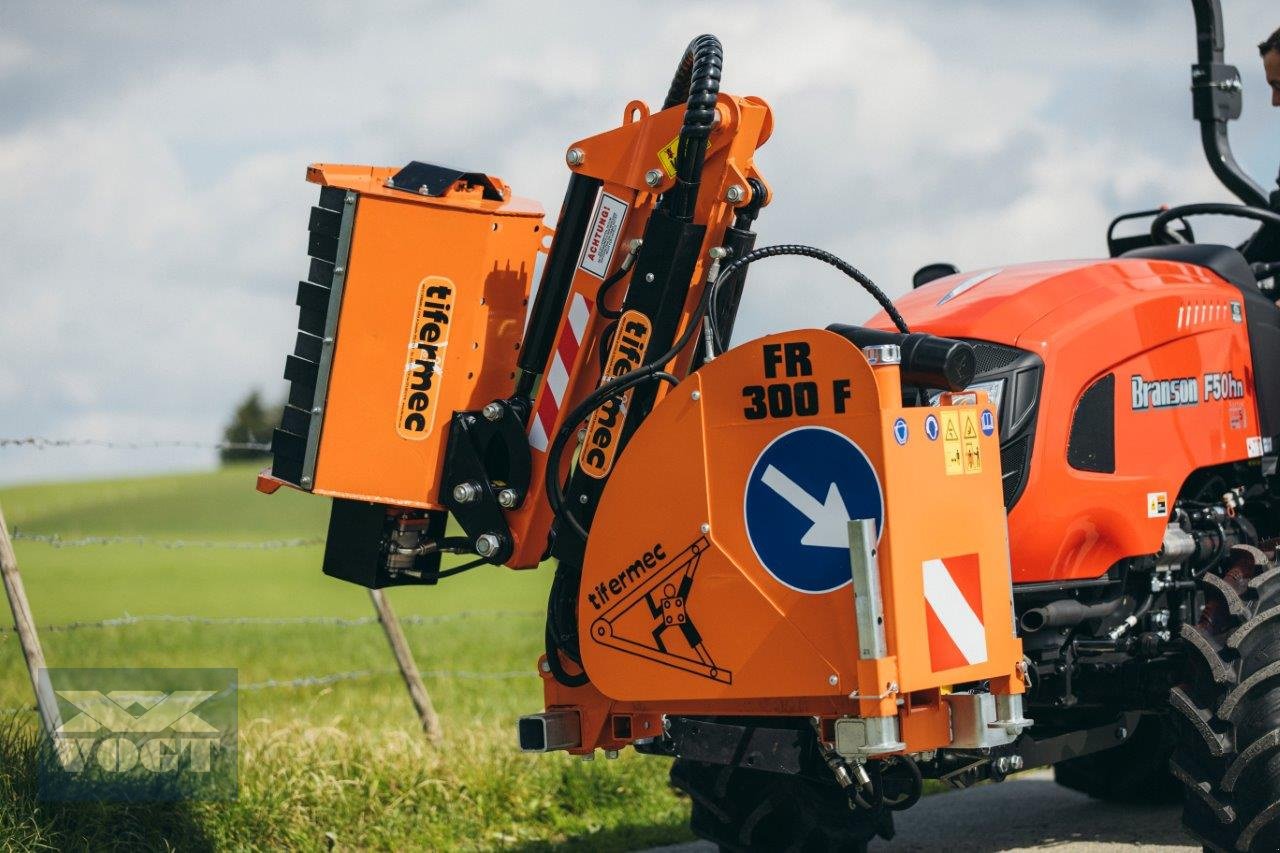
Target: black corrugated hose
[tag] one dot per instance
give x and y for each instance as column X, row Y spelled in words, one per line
column 696, row 84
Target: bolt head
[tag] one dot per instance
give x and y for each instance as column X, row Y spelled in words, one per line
column 317, row 410
column 582, row 499
column 735, row 194
column 492, row 411
column 545, row 667
column 507, row 498
column 648, row 277
column 487, row 544
column 465, row 493
column 833, row 680
column 696, row 395
column 306, row 481
column 575, row 156
column 1121, row 733
column 653, row 177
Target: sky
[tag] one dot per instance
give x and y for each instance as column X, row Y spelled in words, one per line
column 152, row 159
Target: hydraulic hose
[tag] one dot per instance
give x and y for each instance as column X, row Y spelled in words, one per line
column 697, row 84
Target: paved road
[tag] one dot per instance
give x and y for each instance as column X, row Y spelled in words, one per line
column 1029, row 812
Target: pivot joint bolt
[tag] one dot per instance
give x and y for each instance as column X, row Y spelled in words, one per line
column 488, row 544
column 468, row 492
column 507, row 498
column 653, row 177
column 492, row 411
column 735, row 194
column 575, row 157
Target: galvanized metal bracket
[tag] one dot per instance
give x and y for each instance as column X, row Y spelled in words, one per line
column 868, row 603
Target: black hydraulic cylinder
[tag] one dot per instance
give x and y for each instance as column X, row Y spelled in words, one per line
column 927, row 360
column 557, row 279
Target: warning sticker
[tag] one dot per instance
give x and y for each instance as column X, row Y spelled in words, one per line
column 603, row 235
column 667, row 156
column 952, row 447
column 652, row 619
column 1253, row 446
column 972, row 446
column 1157, row 504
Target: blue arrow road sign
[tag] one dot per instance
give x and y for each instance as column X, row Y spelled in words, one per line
column 803, row 489
column 988, row 422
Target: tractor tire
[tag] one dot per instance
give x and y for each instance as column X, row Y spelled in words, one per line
column 743, row 811
column 1136, row 772
column 1228, row 710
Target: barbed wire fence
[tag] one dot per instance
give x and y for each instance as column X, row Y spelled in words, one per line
column 28, row 632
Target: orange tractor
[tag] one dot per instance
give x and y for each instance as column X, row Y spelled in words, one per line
column 1026, row 516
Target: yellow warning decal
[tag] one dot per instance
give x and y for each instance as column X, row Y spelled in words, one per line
column 972, row 447
column 667, row 156
column 952, row 447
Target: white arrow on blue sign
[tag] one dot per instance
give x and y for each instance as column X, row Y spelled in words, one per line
column 803, row 489
column 988, row 422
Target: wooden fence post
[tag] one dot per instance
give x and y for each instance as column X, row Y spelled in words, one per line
column 408, row 669
column 46, row 703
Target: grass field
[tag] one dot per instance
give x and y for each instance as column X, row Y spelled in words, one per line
column 342, row 765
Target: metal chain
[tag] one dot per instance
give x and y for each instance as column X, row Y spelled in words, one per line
column 41, row 443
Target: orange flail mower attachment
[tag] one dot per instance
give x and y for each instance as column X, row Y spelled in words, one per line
column 414, row 309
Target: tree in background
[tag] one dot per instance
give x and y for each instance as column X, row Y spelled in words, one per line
column 251, row 424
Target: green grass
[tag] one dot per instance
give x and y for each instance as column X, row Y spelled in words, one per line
column 342, row 765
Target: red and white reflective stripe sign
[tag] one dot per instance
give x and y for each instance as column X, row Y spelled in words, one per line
column 953, row 611
column 557, row 378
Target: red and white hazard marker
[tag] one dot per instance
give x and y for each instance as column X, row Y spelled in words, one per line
column 557, row 379
column 953, row 611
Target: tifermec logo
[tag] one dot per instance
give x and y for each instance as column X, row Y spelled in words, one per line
column 141, row 734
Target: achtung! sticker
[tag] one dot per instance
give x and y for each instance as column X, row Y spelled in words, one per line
column 603, row 235
column 605, row 427
column 428, row 336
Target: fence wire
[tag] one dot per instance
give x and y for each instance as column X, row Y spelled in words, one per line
column 43, row 443
column 57, row 540
column 330, row 621
column 352, row 675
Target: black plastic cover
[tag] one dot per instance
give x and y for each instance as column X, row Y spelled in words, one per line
column 436, row 180
column 927, row 360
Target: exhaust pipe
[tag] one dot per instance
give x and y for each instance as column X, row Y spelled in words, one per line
column 550, row 731
column 1064, row 613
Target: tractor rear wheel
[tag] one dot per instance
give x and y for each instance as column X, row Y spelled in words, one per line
column 754, row 810
column 1228, row 710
